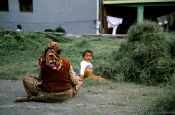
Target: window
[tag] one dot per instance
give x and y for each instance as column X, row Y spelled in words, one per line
column 26, row 5
column 4, row 5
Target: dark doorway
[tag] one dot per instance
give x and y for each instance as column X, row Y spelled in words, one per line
column 153, row 12
column 128, row 14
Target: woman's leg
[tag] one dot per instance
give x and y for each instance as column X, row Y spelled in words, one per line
column 53, row 96
column 48, row 96
column 57, row 96
column 35, row 94
column 31, row 85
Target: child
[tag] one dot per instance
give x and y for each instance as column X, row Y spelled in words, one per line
column 86, row 67
column 19, row 28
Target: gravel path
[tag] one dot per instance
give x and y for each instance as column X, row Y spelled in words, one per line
column 89, row 101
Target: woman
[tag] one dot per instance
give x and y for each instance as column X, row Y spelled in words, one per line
column 57, row 81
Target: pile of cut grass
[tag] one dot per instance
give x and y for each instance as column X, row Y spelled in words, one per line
column 146, row 57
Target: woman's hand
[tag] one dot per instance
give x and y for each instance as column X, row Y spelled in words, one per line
column 79, row 78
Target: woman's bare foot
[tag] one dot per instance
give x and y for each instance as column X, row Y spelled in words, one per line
column 22, row 99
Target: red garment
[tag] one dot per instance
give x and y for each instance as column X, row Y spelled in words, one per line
column 55, row 81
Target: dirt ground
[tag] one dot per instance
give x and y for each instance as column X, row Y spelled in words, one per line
column 89, row 101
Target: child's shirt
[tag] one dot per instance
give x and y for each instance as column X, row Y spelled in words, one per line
column 85, row 65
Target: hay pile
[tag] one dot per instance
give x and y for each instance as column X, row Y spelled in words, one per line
column 146, row 57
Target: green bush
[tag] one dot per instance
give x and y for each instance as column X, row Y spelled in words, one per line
column 60, row 29
column 49, row 30
column 145, row 58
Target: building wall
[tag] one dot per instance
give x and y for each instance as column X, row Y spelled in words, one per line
column 134, row 1
column 75, row 16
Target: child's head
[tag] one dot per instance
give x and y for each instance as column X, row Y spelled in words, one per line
column 87, row 55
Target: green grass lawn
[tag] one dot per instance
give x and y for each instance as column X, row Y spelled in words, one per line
column 19, row 53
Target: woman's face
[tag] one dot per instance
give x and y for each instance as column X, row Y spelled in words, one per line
column 88, row 57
